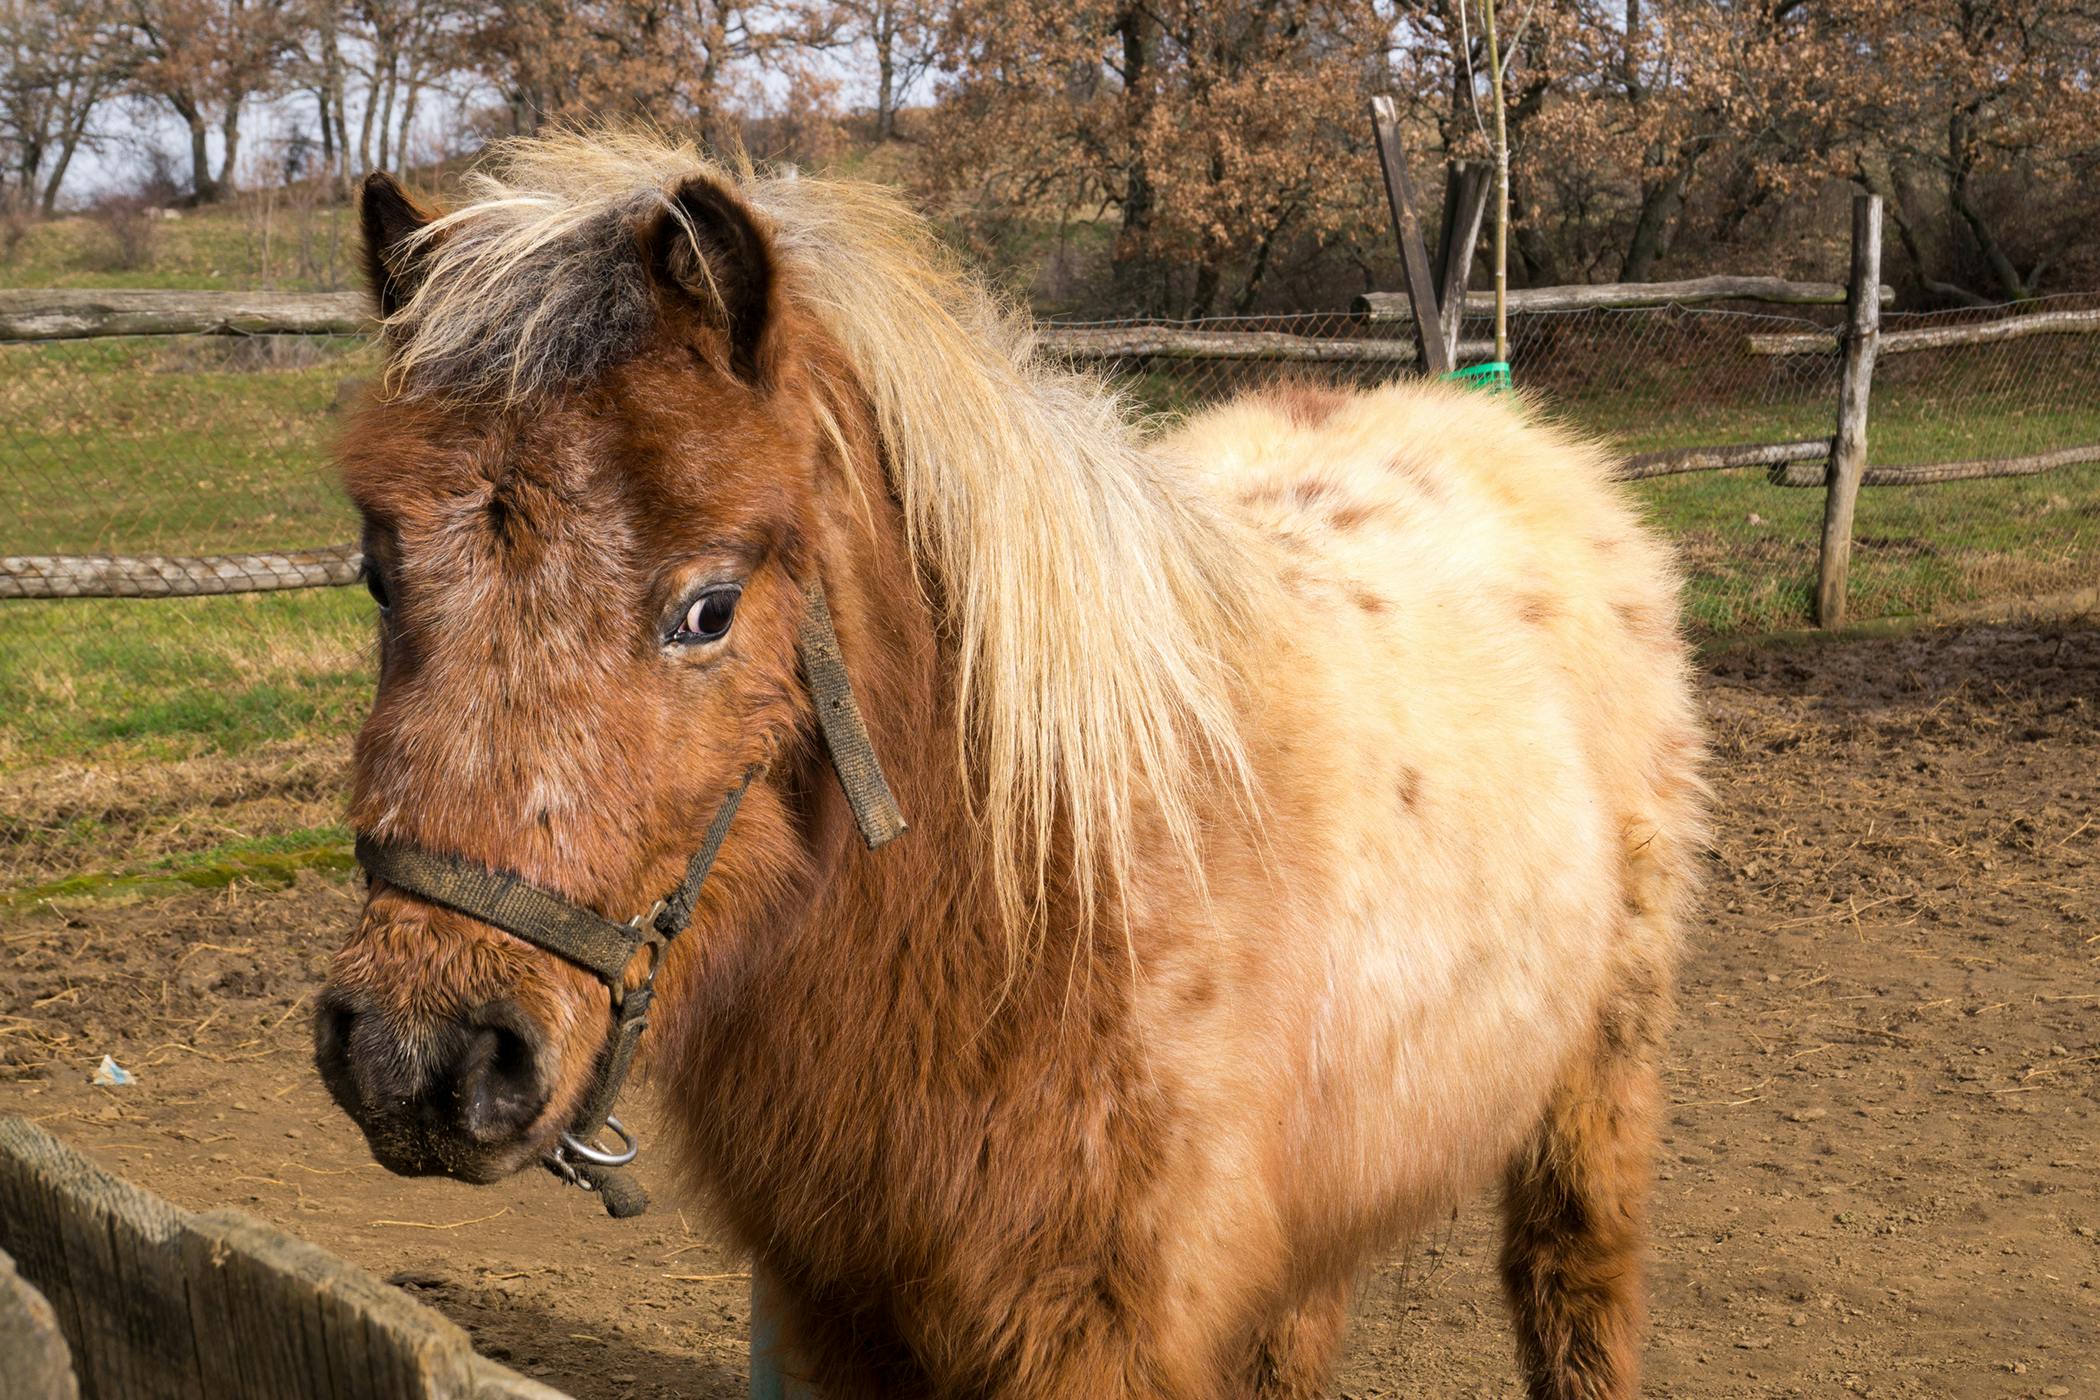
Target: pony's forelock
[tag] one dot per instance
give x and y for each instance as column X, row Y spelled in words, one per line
column 1098, row 603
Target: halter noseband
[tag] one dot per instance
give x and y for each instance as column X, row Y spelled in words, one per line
column 606, row 949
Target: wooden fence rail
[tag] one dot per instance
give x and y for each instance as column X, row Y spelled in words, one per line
column 163, row 576
column 155, row 1303
column 76, row 315
column 1387, row 307
column 1678, row 460
column 71, row 315
column 1935, row 337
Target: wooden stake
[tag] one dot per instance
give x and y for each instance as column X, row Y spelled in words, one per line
column 1414, row 258
column 1465, row 205
column 1848, row 456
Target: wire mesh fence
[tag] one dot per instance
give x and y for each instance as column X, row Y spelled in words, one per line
column 1652, row 379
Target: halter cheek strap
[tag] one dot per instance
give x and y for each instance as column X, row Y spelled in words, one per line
column 606, row 949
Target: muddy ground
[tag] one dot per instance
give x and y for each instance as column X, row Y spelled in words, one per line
column 1881, row 1170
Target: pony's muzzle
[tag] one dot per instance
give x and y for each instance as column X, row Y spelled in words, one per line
column 451, row 1097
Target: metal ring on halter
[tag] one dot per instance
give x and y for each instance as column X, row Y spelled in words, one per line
column 597, row 1156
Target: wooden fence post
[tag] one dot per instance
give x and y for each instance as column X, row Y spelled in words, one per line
column 1848, row 452
column 1414, row 258
column 1465, row 205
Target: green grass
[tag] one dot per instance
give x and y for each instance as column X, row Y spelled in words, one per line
column 163, row 679
column 1751, row 546
column 245, row 247
column 202, row 446
column 189, row 446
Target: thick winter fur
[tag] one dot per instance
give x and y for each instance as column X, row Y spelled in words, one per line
column 1303, row 802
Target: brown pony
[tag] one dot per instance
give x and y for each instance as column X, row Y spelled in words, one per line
column 1302, row 800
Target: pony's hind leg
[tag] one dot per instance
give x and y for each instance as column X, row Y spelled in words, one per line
column 1574, row 1203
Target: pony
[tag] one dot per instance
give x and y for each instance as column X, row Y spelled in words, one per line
column 1304, row 797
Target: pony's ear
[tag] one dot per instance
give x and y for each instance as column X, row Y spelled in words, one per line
column 389, row 216
column 708, row 248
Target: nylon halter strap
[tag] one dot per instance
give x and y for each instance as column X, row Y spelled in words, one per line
column 606, row 949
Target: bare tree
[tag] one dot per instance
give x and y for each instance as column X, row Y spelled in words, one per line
column 206, row 59
column 902, row 37
column 60, row 61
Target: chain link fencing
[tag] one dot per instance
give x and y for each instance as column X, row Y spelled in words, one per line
column 165, row 449
column 1651, row 381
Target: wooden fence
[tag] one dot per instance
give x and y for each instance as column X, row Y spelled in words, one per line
column 120, row 1296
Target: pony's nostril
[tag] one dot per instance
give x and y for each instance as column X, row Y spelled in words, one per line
column 334, row 1020
column 499, row 1080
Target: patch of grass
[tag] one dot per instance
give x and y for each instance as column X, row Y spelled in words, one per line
column 168, row 678
column 210, row 249
column 272, row 861
column 1751, row 547
column 173, row 446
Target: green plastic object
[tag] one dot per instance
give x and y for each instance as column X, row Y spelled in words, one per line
column 1492, row 376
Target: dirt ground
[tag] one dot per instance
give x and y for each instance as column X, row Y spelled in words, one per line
column 1879, row 1171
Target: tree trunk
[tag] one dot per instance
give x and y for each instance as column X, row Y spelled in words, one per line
column 322, row 91
column 2006, row 275
column 230, row 132
column 203, row 189
column 885, row 88
column 1130, row 262
column 1206, row 293
column 386, row 109
column 1533, row 252
column 1659, row 201
column 57, row 177
column 364, row 127
column 414, row 87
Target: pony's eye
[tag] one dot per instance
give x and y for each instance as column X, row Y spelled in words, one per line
column 376, row 586
column 708, row 619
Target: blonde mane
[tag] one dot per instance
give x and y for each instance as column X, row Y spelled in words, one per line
column 1098, row 603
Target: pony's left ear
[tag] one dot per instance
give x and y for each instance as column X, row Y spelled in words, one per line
column 709, row 248
column 390, row 219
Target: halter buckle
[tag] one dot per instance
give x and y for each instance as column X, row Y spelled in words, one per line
column 576, row 1147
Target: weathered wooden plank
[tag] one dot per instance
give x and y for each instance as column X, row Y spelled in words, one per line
column 1465, row 206
column 34, row 1361
column 105, row 1255
column 76, row 315
column 1393, row 307
column 1407, row 228
column 1934, row 337
column 1848, row 449
column 1173, row 343
column 295, row 1313
column 1678, row 460
column 1934, row 473
column 157, row 1302
column 163, row 576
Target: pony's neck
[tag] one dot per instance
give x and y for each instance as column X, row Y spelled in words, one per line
column 931, row 884
column 882, row 985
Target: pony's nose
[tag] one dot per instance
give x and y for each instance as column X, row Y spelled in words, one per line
column 485, row 1078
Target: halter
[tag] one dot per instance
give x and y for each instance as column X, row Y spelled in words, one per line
column 606, row 949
